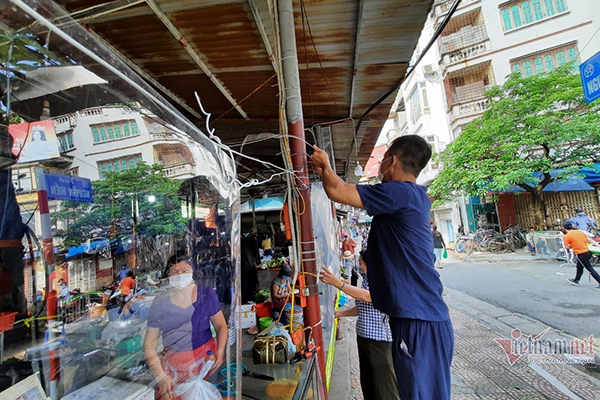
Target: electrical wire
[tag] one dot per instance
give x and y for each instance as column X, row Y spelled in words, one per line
column 395, row 88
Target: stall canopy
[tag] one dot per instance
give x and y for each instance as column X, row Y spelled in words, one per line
column 350, row 53
column 261, row 205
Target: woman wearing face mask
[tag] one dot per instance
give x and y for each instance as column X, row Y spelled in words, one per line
column 182, row 317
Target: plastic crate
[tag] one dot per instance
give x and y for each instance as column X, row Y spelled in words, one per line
column 7, row 320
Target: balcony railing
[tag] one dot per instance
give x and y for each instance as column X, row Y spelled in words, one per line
column 442, row 7
column 468, row 109
column 465, row 54
column 178, row 170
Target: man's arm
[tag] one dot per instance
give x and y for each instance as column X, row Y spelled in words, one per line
column 336, row 189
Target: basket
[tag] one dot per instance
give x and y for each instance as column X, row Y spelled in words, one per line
column 7, row 320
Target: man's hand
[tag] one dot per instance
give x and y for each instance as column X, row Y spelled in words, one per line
column 320, row 161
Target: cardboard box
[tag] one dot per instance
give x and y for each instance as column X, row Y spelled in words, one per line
column 248, row 315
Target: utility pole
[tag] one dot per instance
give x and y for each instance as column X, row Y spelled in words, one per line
column 295, row 121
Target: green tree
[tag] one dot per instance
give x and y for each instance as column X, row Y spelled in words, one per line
column 533, row 126
column 110, row 215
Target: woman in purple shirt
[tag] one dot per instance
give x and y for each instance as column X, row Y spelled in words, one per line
column 182, row 317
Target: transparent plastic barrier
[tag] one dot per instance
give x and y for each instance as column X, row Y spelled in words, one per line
column 72, row 107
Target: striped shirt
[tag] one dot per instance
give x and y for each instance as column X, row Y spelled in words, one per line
column 371, row 323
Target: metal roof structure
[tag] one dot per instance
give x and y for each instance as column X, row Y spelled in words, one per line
column 350, row 53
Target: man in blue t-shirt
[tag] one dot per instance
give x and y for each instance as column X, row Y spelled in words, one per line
column 404, row 283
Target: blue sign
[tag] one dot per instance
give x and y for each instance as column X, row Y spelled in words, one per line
column 66, row 187
column 590, row 77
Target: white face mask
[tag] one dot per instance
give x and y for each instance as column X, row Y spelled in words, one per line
column 181, row 280
column 380, row 174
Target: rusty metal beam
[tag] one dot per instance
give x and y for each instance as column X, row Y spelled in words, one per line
column 263, row 33
column 195, row 56
column 356, row 53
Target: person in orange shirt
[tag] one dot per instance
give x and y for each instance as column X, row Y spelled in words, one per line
column 577, row 241
column 127, row 288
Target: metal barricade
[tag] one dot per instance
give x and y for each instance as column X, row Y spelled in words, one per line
column 549, row 244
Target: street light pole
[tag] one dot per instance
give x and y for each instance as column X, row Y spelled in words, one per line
column 134, row 212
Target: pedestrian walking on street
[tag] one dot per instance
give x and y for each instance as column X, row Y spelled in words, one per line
column 373, row 336
column 577, row 241
column 404, row 283
column 439, row 246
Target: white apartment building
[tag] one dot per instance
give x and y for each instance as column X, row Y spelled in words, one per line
column 482, row 44
column 109, row 138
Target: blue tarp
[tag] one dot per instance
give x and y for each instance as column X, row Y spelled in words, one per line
column 268, row 204
column 124, row 246
column 88, row 248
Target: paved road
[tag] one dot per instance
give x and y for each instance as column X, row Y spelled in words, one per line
column 537, row 289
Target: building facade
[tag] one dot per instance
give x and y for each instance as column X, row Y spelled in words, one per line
column 482, row 44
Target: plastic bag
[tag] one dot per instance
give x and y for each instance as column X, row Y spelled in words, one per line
column 199, row 389
column 445, row 253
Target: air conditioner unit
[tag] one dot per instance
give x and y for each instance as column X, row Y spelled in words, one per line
column 428, row 69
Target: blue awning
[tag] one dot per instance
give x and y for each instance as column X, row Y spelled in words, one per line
column 268, row 204
column 124, row 246
column 88, row 248
column 573, row 184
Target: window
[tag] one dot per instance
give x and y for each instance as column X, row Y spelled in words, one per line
column 549, row 63
column 519, row 13
column 539, row 67
column 572, row 54
column 119, row 130
column 118, row 164
column 72, row 171
column 415, row 103
column 560, row 6
column 527, row 69
column 549, row 7
column 66, row 142
column 419, row 102
column 527, row 13
column 545, row 61
column 506, row 20
column 537, row 9
column 516, row 13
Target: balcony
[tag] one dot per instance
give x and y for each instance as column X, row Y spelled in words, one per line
column 465, row 54
column 468, row 109
column 441, row 8
column 179, row 170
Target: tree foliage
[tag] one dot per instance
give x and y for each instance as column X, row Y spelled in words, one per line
column 111, row 213
column 535, row 131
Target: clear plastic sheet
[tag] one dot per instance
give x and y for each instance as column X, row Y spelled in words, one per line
column 103, row 120
column 327, row 251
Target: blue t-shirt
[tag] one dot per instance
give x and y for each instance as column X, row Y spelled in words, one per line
column 404, row 283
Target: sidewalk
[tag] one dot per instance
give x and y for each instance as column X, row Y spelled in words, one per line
column 481, row 370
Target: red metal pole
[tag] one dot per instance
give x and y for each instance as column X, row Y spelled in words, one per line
column 295, row 119
column 312, row 313
column 51, row 297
